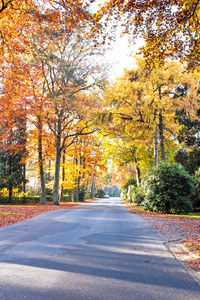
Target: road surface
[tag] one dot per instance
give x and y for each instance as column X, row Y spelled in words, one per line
column 96, row 251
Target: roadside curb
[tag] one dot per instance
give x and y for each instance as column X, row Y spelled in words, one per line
column 175, row 248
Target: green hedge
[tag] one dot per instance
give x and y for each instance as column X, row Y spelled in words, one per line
column 20, row 199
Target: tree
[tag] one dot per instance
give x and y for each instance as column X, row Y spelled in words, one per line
column 11, row 157
column 47, row 58
column 66, row 67
column 169, row 28
column 144, row 101
column 188, row 136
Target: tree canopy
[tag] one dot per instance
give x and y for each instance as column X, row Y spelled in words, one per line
column 169, row 28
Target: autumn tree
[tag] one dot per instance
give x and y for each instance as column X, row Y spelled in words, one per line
column 68, row 71
column 38, row 39
column 79, row 165
column 144, row 101
column 169, row 28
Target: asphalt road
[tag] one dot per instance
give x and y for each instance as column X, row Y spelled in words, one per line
column 95, row 251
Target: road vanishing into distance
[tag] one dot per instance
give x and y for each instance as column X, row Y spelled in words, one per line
column 96, row 251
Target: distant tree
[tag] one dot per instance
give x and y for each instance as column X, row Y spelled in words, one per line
column 189, row 137
column 12, row 153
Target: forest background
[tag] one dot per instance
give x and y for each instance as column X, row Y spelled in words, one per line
column 67, row 132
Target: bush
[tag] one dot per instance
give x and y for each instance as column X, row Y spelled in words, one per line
column 87, row 195
column 20, row 199
column 49, row 198
column 126, row 189
column 99, row 194
column 138, row 196
column 81, row 194
column 168, row 188
column 196, row 195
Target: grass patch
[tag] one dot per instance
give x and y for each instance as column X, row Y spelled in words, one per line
column 134, row 208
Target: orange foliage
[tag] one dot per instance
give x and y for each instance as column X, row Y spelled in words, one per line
column 16, row 213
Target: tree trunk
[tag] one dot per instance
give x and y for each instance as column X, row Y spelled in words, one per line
column 63, row 177
column 72, row 196
column 10, row 186
column 49, row 172
column 24, row 178
column 41, row 166
column 93, row 187
column 161, row 134
column 10, row 193
column 79, row 163
column 76, row 182
column 138, row 174
column 57, row 166
column 160, row 126
column 156, row 148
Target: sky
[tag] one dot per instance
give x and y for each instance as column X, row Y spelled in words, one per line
column 120, row 55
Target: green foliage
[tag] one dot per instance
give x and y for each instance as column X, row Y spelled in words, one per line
column 129, row 182
column 81, row 194
column 11, row 155
column 99, row 193
column 196, row 195
column 49, row 198
column 11, row 175
column 188, row 131
column 21, row 199
column 190, row 160
column 168, row 188
column 87, row 195
column 138, row 196
column 126, row 189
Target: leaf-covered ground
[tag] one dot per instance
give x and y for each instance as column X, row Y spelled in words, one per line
column 10, row 214
column 183, row 234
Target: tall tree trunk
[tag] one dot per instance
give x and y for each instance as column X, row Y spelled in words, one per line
column 130, row 198
column 10, row 186
column 93, row 187
column 76, row 182
column 160, row 126
column 57, row 166
column 41, row 165
column 79, row 163
column 72, row 195
column 10, row 193
column 161, row 134
column 49, row 172
column 138, row 174
column 63, row 177
column 156, row 147
column 24, row 178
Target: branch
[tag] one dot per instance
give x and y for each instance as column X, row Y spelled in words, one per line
column 4, row 6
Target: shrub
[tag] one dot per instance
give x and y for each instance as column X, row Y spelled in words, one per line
column 87, row 195
column 126, row 189
column 81, row 194
column 99, row 193
column 20, row 199
column 168, row 188
column 138, row 195
column 196, row 195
